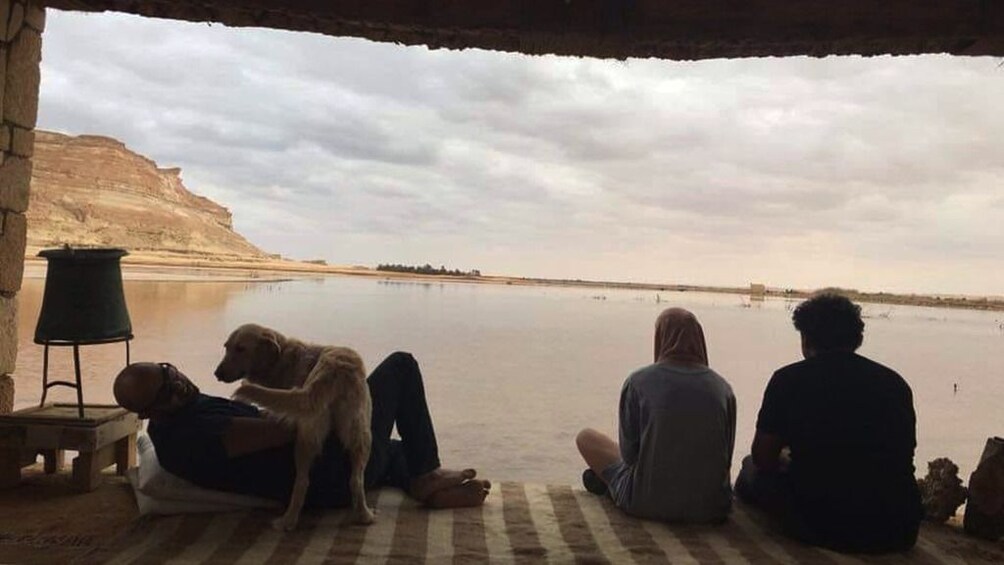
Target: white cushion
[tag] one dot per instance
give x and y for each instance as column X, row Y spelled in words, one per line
column 160, row 492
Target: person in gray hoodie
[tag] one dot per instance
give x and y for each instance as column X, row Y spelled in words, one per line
column 677, row 433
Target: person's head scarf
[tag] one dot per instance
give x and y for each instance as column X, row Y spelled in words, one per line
column 679, row 338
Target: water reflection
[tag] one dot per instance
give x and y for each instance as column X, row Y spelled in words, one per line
column 170, row 321
column 513, row 372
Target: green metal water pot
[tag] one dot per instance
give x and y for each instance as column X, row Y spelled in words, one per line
column 83, row 301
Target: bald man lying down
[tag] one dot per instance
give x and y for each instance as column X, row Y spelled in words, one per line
column 227, row 445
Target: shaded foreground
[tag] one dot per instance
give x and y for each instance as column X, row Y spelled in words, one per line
column 45, row 523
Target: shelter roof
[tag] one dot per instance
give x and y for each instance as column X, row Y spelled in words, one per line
column 668, row 29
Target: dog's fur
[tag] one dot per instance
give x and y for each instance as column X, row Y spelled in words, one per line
column 319, row 389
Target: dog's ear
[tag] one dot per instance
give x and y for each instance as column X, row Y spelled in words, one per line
column 266, row 351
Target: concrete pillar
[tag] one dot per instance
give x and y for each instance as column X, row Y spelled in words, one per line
column 21, row 25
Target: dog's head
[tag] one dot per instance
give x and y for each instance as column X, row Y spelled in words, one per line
column 251, row 350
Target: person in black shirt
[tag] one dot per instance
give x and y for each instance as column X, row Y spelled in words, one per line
column 832, row 459
column 227, row 445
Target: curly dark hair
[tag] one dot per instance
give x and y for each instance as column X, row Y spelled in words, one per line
column 830, row 321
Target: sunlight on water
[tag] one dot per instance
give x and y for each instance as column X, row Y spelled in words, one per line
column 514, row 372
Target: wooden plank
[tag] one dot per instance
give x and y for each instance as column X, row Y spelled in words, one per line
column 117, row 429
column 54, row 460
column 12, row 437
column 125, row 454
column 10, row 468
column 65, row 414
column 42, row 437
column 87, row 467
column 56, row 435
column 79, row 439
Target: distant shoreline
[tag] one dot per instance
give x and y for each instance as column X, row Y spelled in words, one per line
column 186, row 268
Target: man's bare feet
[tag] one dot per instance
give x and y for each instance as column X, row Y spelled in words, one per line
column 470, row 493
column 439, row 479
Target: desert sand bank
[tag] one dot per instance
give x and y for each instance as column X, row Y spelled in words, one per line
column 189, row 268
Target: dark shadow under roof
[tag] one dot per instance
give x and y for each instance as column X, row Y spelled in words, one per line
column 669, row 29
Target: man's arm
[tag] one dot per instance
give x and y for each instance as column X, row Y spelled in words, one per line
column 630, row 424
column 772, row 425
column 730, row 408
column 248, row 435
column 767, row 451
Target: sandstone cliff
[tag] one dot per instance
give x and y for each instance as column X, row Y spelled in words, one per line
column 92, row 190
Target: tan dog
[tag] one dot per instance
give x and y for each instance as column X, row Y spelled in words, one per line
column 320, row 389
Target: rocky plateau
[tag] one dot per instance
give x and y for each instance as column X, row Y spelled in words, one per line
column 91, row 190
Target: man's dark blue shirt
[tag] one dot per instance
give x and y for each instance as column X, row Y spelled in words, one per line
column 189, row 444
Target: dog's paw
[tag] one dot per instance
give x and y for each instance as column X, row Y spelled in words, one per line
column 284, row 523
column 365, row 516
column 244, row 392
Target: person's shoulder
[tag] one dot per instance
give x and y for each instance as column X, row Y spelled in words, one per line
column 657, row 376
column 873, row 365
column 643, row 373
column 715, row 374
column 226, row 406
column 792, row 376
column 792, row 370
column 663, row 371
column 718, row 379
column 203, row 400
column 636, row 379
column 206, row 406
column 879, row 371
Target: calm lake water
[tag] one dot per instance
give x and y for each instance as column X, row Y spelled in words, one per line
column 514, row 372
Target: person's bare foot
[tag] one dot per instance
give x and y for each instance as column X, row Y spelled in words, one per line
column 465, row 495
column 439, row 479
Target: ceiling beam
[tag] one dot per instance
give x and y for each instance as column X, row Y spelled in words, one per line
column 669, row 29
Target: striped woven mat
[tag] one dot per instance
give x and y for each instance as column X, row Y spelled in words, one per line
column 521, row 523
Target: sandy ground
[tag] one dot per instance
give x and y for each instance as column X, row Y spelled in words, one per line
column 173, row 267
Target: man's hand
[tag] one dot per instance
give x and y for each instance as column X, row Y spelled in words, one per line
column 767, row 452
column 785, row 458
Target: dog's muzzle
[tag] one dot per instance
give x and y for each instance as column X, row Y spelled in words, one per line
column 222, row 376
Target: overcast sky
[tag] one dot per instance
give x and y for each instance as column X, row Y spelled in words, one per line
column 880, row 174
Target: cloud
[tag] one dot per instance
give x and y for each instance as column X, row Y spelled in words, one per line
column 798, row 172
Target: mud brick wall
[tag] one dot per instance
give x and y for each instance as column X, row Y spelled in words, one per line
column 21, row 25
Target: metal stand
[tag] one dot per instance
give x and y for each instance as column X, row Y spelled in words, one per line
column 46, row 385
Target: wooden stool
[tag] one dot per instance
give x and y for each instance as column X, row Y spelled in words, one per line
column 106, row 435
